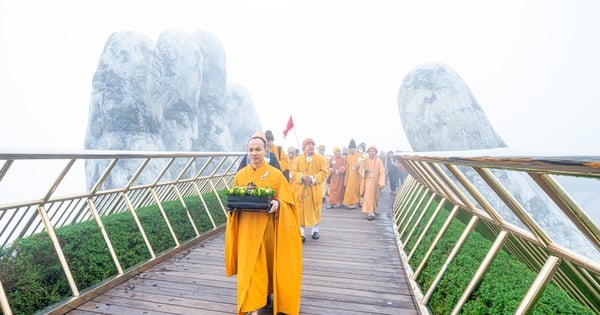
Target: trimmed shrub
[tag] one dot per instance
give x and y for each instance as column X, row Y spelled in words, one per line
column 33, row 276
column 502, row 287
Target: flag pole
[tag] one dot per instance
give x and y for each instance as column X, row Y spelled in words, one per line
column 297, row 143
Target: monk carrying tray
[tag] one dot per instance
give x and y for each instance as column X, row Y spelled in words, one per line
column 248, row 203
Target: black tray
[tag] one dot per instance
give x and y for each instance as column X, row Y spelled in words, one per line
column 248, row 203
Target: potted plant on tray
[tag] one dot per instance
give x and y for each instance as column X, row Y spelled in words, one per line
column 249, row 198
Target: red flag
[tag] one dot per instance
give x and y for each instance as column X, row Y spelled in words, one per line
column 290, row 125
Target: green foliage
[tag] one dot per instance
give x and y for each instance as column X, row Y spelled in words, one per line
column 33, row 276
column 458, row 274
column 438, row 256
column 502, row 287
column 429, row 237
column 421, row 226
column 245, row 191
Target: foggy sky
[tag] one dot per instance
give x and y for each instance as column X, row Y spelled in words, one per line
column 336, row 66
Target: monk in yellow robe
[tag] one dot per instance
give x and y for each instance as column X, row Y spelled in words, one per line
column 279, row 153
column 325, row 183
column 308, row 172
column 337, row 173
column 373, row 172
column 264, row 249
column 353, row 179
column 291, row 157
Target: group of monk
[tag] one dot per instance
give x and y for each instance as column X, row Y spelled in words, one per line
column 355, row 179
column 265, row 251
column 356, row 175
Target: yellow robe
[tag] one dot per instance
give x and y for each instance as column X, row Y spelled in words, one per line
column 337, row 168
column 309, row 196
column 281, row 156
column 265, row 250
column 353, row 179
column 374, row 178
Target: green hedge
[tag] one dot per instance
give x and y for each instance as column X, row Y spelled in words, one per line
column 33, row 277
column 501, row 289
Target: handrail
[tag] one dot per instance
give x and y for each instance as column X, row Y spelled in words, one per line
column 63, row 197
column 524, row 200
column 477, row 184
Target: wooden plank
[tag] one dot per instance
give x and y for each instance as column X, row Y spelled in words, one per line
column 354, row 268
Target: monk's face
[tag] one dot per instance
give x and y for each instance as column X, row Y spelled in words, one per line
column 291, row 154
column 372, row 153
column 309, row 149
column 256, row 151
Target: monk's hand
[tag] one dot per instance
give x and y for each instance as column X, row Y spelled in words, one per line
column 274, row 206
column 306, row 179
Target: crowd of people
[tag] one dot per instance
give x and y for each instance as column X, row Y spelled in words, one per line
column 264, row 249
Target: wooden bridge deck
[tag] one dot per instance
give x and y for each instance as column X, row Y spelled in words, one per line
column 354, row 268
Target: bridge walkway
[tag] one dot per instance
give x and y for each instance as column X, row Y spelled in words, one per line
column 354, row 268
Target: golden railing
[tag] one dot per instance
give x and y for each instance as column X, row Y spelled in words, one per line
column 481, row 188
column 529, row 206
column 57, row 194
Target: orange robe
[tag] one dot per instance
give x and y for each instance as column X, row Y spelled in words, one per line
column 265, row 250
column 373, row 171
column 324, row 184
column 337, row 169
column 353, row 179
column 309, row 196
column 281, row 156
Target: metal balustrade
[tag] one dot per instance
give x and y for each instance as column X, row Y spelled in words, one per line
column 525, row 205
column 491, row 192
column 57, row 195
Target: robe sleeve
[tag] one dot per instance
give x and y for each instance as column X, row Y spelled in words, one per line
column 322, row 171
column 231, row 235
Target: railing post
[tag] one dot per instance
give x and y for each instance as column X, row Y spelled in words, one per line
column 164, row 215
column 435, row 242
column 483, row 267
column 453, row 253
column 538, row 285
column 405, row 200
column 421, row 215
column 58, row 249
column 139, row 224
column 4, row 301
column 187, row 211
column 111, row 249
column 415, row 210
column 427, row 226
column 412, row 199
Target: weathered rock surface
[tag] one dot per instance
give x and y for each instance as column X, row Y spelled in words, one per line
column 439, row 113
column 172, row 95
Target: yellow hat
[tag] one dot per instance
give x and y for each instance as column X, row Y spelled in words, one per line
column 307, row 141
column 337, row 149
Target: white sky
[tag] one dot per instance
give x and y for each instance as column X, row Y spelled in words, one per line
column 336, row 66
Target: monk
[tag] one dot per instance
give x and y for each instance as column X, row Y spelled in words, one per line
column 337, row 173
column 325, row 183
column 352, row 179
column 308, row 172
column 279, row 153
column 373, row 173
column 264, row 249
column 291, row 155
